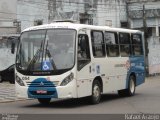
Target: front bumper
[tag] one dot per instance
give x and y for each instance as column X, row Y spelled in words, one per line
column 67, row 91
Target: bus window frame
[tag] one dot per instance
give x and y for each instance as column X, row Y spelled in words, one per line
column 91, row 33
column 130, row 44
column 87, row 61
column 141, row 44
column 116, row 41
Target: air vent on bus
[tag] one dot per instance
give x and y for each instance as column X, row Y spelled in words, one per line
column 44, row 84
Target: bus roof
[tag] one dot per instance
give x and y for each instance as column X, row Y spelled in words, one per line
column 69, row 25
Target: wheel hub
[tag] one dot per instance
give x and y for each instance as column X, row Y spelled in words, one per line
column 96, row 92
column 132, row 86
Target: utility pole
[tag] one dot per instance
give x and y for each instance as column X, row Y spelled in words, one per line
column 145, row 39
column 128, row 17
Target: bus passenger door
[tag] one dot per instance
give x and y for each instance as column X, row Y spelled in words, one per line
column 83, row 66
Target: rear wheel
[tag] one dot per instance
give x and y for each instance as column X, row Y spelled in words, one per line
column 130, row 91
column 131, row 86
column 96, row 92
column 44, row 101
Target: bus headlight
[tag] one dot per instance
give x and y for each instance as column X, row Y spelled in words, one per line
column 19, row 81
column 68, row 79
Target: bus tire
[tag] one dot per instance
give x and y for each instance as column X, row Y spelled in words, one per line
column 44, row 101
column 96, row 92
column 131, row 86
column 130, row 91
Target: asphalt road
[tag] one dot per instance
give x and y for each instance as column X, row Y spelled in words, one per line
column 146, row 100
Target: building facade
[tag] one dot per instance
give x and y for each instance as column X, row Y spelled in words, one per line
column 96, row 12
column 111, row 13
column 145, row 15
column 144, row 9
column 7, row 17
column 32, row 12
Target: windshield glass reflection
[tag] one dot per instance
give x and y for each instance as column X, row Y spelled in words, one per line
column 46, row 50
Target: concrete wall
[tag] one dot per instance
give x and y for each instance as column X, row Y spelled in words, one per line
column 152, row 13
column 101, row 11
column 7, row 9
column 68, row 9
column 111, row 10
column 29, row 11
column 7, row 16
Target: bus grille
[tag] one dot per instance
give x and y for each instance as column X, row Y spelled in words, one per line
column 42, row 84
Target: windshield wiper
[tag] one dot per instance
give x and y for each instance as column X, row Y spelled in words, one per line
column 36, row 56
column 47, row 52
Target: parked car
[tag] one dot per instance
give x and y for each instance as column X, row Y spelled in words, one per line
column 8, row 74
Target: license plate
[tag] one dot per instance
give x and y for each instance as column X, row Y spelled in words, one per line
column 41, row 92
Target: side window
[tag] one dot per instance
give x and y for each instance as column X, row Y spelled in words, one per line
column 83, row 51
column 125, row 45
column 137, row 44
column 98, row 45
column 112, row 47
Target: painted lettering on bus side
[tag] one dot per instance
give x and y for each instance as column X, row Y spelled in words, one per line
column 119, row 65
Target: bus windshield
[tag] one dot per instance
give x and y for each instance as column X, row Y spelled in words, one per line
column 46, row 50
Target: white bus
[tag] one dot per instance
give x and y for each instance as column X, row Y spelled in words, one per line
column 67, row 60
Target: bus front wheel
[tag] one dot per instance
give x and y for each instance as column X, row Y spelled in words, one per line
column 44, row 101
column 96, row 92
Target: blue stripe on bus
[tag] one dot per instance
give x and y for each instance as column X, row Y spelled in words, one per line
column 42, row 84
column 138, row 68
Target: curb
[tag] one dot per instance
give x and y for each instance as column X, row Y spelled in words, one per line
column 8, row 100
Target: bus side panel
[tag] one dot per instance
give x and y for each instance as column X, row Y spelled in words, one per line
column 84, row 82
column 116, row 74
column 137, row 67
